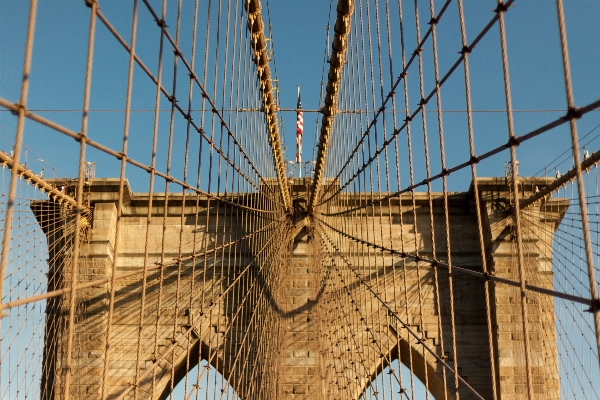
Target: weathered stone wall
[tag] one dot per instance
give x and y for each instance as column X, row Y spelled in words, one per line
column 397, row 281
column 180, row 309
column 297, row 334
column 538, row 224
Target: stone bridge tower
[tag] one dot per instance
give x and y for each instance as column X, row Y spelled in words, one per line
column 298, row 342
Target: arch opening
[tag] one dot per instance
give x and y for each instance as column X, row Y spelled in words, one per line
column 199, row 373
column 407, row 386
column 402, row 375
column 204, row 381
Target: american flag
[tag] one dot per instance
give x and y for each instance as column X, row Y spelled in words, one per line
column 299, row 129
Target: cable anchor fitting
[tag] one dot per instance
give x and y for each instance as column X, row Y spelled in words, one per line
column 502, row 7
column 572, row 113
column 465, row 50
column 488, row 276
column 594, row 307
column 161, row 23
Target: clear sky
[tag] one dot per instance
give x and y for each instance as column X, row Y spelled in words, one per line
column 299, row 40
column 299, row 32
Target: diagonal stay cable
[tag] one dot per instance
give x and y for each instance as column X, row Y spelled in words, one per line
column 157, row 265
column 422, row 103
column 363, row 318
column 438, row 263
column 77, row 136
column 39, row 182
column 560, row 159
column 173, row 100
column 215, row 302
column 474, row 160
column 391, row 313
column 547, row 191
column 264, row 76
column 392, row 92
column 345, row 9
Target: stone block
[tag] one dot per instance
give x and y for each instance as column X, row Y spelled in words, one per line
column 295, row 361
column 295, row 379
column 299, row 389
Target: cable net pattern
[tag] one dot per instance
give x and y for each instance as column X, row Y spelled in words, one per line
column 187, row 262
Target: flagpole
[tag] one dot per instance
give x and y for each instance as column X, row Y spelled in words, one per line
column 299, row 132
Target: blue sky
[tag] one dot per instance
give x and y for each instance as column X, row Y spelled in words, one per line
column 299, row 32
column 299, row 44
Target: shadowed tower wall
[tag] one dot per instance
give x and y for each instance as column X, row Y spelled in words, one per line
column 305, row 337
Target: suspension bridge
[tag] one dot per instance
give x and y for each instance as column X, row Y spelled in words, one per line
column 443, row 242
